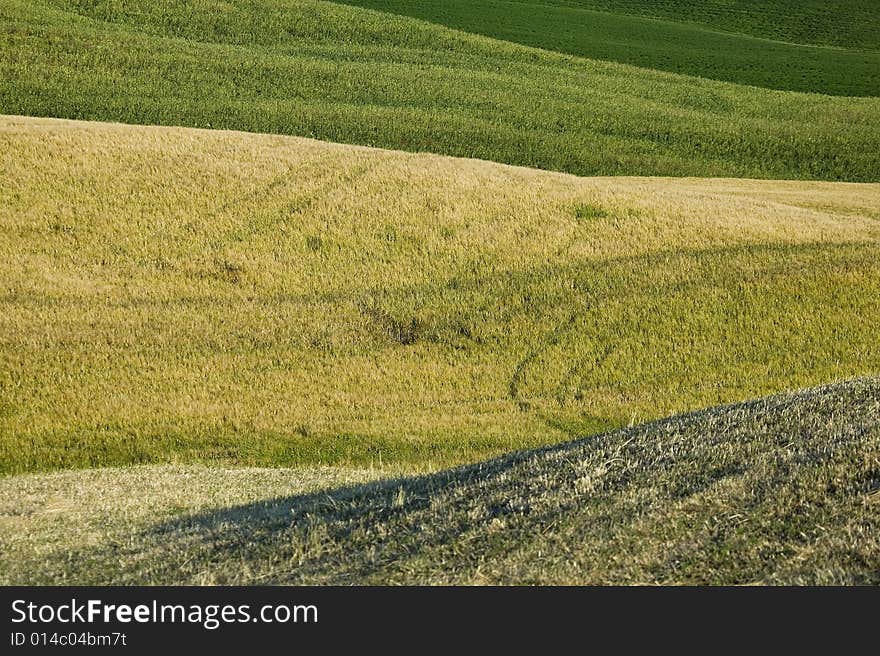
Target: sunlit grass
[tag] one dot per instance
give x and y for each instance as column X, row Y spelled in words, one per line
column 182, row 295
column 346, row 74
column 778, row 490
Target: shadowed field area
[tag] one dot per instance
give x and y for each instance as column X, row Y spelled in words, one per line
column 303, row 315
column 780, row 490
column 686, row 39
column 843, row 23
column 175, row 295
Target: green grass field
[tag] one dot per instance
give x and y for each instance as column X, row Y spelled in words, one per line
column 345, row 74
column 673, row 45
column 387, row 291
column 784, row 490
column 173, row 294
column 841, row 23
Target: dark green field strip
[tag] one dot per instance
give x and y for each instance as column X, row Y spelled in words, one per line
column 782, row 490
column 343, row 74
column 651, row 43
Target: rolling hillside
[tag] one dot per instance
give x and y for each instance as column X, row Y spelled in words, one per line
column 842, row 23
column 347, row 74
column 186, row 295
column 616, row 32
column 780, row 490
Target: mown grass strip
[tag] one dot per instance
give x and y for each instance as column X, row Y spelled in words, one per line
column 675, row 46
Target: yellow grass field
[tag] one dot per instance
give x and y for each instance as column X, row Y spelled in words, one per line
column 180, row 295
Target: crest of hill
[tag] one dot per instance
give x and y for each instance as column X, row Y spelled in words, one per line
column 841, row 23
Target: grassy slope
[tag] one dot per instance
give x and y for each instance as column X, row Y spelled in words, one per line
column 666, row 45
column 842, row 23
column 345, row 74
column 781, row 490
column 175, row 294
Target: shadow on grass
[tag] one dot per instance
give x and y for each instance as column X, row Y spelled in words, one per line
column 529, row 296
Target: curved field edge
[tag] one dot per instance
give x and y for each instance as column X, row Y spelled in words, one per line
column 841, row 23
column 178, row 295
column 344, row 74
column 674, row 46
column 781, row 490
